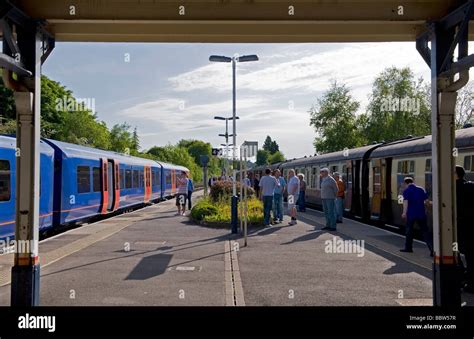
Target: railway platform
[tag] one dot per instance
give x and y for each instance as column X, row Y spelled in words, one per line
column 153, row 257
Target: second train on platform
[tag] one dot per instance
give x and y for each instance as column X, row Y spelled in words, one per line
column 79, row 183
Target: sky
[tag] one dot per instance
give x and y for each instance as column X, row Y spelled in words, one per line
column 171, row 91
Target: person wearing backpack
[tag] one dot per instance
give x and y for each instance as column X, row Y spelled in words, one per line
column 465, row 217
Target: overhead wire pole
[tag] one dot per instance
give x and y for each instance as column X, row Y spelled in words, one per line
column 445, row 35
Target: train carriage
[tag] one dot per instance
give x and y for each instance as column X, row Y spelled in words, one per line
column 8, row 179
column 392, row 162
column 90, row 182
column 78, row 183
column 351, row 164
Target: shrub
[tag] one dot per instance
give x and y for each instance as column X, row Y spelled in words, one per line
column 222, row 190
column 219, row 212
column 202, row 209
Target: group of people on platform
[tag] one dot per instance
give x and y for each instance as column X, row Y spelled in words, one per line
column 215, row 179
column 271, row 187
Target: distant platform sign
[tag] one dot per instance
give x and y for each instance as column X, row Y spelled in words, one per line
column 249, row 149
column 217, row 152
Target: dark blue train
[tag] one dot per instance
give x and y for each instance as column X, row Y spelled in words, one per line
column 78, row 183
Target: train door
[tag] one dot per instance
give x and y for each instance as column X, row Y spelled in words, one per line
column 110, row 185
column 104, row 186
column 376, row 204
column 356, row 198
column 386, row 212
column 147, row 183
column 117, row 184
column 364, row 189
column 348, row 180
column 173, row 181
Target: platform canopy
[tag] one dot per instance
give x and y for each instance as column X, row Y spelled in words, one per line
column 237, row 20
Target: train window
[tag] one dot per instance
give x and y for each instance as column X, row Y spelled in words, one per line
column 128, row 178
column 96, row 179
column 377, row 180
column 122, row 179
column 5, row 181
column 117, row 177
column 314, row 177
column 158, row 178
column 343, row 174
column 406, row 167
column 105, row 173
column 136, row 176
column 468, row 163
column 168, row 178
column 428, row 165
column 141, row 179
column 83, row 179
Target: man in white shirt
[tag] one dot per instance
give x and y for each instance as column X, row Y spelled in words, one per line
column 268, row 184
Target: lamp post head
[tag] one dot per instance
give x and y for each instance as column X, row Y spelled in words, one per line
column 219, row 58
column 246, row 58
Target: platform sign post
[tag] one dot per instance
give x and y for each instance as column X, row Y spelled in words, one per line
column 247, row 150
column 204, row 159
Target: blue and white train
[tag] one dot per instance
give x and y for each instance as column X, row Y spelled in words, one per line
column 78, row 183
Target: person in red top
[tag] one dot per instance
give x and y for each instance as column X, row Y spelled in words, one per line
column 339, row 197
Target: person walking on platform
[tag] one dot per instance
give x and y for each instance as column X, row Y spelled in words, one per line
column 340, row 197
column 465, row 226
column 181, row 192
column 246, row 181
column 414, row 200
column 329, row 191
column 278, row 197
column 190, row 191
column 293, row 190
column 268, row 183
column 302, row 196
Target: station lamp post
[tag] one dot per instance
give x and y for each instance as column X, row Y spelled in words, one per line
column 234, row 60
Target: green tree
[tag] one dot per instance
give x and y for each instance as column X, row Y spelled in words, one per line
column 276, row 157
column 334, row 120
column 196, row 148
column 8, row 127
column 262, row 157
column 270, row 145
column 267, row 144
column 179, row 156
column 274, row 147
column 465, row 105
column 82, row 127
column 121, row 139
column 399, row 106
column 135, row 140
column 7, row 103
